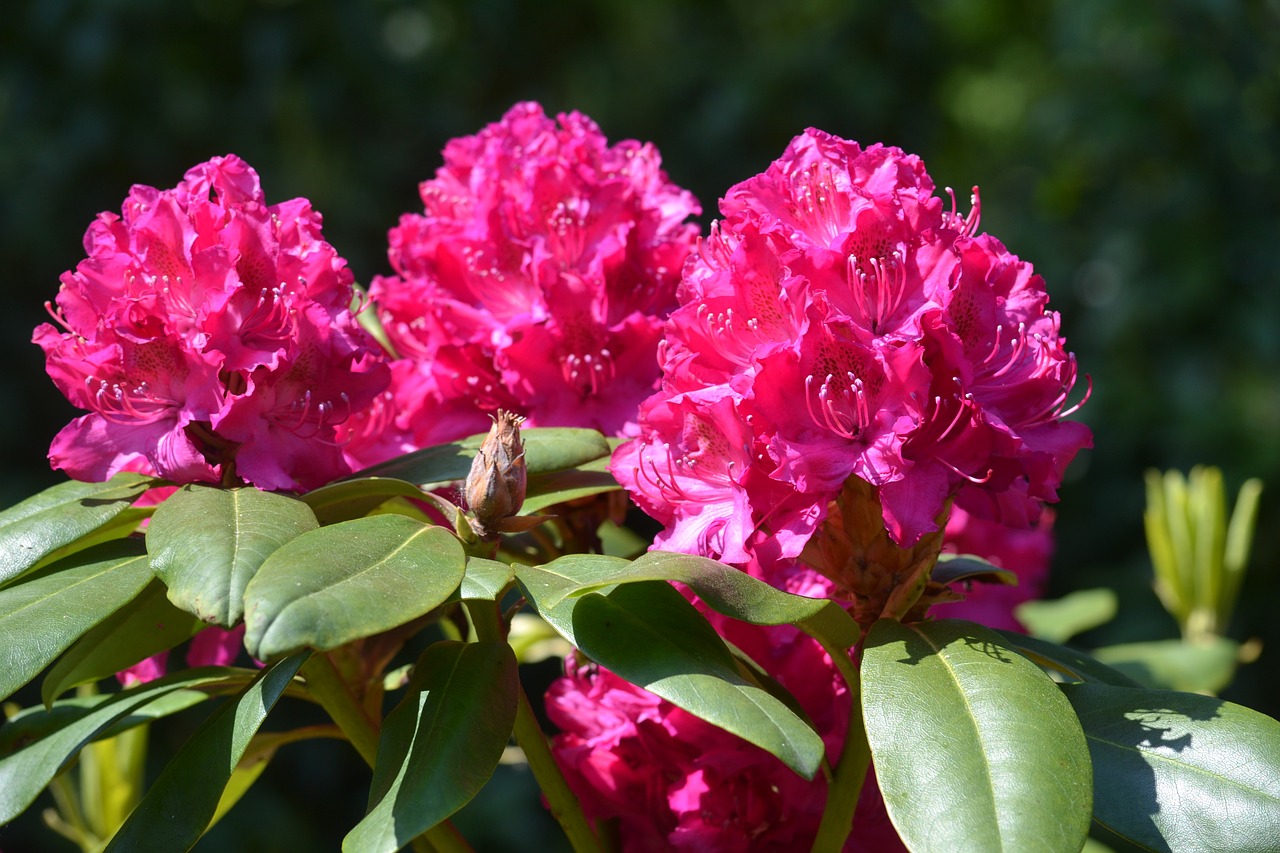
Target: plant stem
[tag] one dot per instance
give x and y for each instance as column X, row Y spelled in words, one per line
column 845, row 788
column 561, row 801
column 326, row 684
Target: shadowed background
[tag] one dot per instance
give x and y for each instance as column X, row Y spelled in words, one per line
column 1127, row 150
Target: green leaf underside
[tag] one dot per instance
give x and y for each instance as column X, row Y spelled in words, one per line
column 145, row 626
column 1069, row 664
column 24, row 774
column 349, row 580
column 648, row 634
column 40, row 618
column 973, row 746
column 58, row 516
column 440, row 745
column 546, row 449
column 1180, row 771
column 177, row 809
column 206, row 544
column 724, row 588
column 348, row 499
column 1174, row 664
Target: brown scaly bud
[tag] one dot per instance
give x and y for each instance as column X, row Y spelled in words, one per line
column 880, row 579
column 495, row 487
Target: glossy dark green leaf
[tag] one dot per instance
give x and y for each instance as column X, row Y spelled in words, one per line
column 1067, row 663
column 648, row 634
column 207, row 543
column 960, row 567
column 178, row 808
column 33, row 723
column 974, row 747
column 58, row 516
column 545, row 449
column 1179, row 771
column 724, row 588
column 1174, row 664
column 145, row 626
column 559, row 486
column 441, row 743
column 485, row 579
column 39, row 618
column 348, row 499
column 25, row 773
column 349, row 580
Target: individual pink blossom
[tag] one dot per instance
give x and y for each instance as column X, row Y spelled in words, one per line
column 212, row 646
column 1025, row 552
column 210, row 338
column 841, row 321
column 536, row 280
column 675, row 782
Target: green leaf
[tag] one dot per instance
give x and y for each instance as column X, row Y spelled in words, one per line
column 1067, row 663
column 648, row 634
column 25, row 773
column 485, row 579
column 60, row 515
column 1058, row 620
column 545, row 449
column 441, row 743
column 206, row 544
column 1179, row 771
column 1175, row 664
column 974, row 747
column 41, row 617
column 349, row 580
column 178, row 808
column 952, row 568
column 546, row 490
column 724, row 588
column 348, row 499
column 145, row 626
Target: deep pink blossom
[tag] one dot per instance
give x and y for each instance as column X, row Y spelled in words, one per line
column 675, row 782
column 212, row 646
column 536, row 280
column 840, row 320
column 209, row 336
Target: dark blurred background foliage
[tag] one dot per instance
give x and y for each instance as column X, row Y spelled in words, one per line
column 1127, row 149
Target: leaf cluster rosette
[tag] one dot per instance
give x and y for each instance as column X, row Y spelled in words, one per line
column 210, row 337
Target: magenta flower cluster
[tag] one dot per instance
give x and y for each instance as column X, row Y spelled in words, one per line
column 209, row 335
column 840, row 321
column 536, row 280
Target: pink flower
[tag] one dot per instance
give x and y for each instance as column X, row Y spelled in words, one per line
column 209, row 336
column 1026, row 553
column 673, row 781
column 213, row 646
column 536, row 280
column 840, row 321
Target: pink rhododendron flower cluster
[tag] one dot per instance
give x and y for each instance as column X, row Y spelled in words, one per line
column 210, row 338
column 1025, row 552
column 841, row 321
column 536, row 280
column 675, row 782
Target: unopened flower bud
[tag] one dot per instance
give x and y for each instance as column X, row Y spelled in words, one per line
column 495, row 487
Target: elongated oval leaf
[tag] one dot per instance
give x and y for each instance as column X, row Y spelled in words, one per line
column 974, row 747
column 1180, row 771
column 25, row 773
column 485, row 579
column 347, row 581
column 1069, row 664
column 441, row 743
column 545, row 449
column 60, row 515
column 41, row 617
column 348, row 499
column 145, row 626
column 178, row 808
column 650, row 635
column 207, row 543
